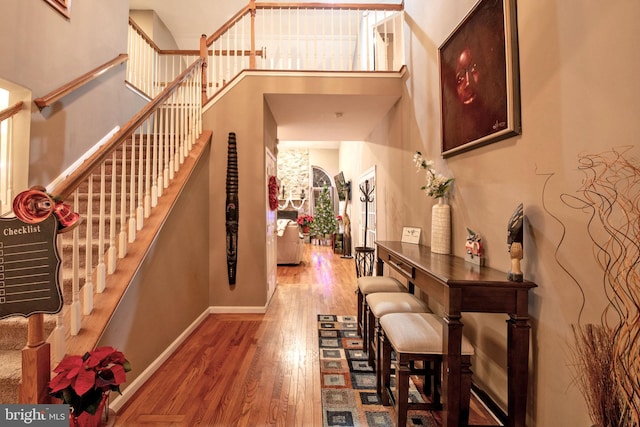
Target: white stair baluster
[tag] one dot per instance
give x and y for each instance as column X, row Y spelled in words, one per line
column 122, row 241
column 113, row 252
column 140, row 188
column 87, row 294
column 101, row 269
column 147, row 171
column 76, row 309
column 132, row 192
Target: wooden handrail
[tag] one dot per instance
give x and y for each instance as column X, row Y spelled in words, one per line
column 11, row 111
column 235, row 18
column 66, row 188
column 179, row 52
column 157, row 48
column 322, row 5
column 318, row 5
column 55, row 95
column 143, row 35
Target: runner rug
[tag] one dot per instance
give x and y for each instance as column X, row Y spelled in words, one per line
column 348, row 382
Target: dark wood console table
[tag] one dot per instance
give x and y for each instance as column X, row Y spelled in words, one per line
column 463, row 287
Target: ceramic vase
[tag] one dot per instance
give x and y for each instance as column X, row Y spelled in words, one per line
column 441, row 227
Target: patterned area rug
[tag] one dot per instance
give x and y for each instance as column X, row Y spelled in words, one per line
column 349, row 384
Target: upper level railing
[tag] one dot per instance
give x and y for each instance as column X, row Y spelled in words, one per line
column 306, row 36
column 150, row 68
column 278, row 36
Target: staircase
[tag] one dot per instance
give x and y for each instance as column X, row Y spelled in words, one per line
column 13, row 336
column 175, row 111
column 158, row 148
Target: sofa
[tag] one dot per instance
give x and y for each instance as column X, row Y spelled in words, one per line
column 290, row 242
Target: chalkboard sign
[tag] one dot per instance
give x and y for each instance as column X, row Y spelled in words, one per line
column 29, row 265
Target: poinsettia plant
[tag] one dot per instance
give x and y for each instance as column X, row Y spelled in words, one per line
column 304, row 220
column 81, row 381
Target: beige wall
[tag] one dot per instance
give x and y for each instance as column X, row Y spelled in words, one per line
column 41, row 51
column 241, row 111
column 572, row 104
column 579, row 94
column 171, row 288
column 325, row 158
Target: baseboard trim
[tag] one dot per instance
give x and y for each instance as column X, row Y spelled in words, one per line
column 238, row 310
column 495, row 410
column 135, row 385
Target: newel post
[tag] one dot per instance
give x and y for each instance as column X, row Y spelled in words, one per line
column 205, row 56
column 252, row 54
column 36, row 363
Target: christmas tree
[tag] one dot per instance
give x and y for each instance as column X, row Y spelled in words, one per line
column 324, row 219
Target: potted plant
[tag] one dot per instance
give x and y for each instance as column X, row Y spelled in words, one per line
column 437, row 186
column 305, row 222
column 84, row 383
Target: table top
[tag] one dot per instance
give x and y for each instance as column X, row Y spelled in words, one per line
column 449, row 269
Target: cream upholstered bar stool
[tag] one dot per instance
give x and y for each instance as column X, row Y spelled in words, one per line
column 417, row 337
column 371, row 285
column 382, row 303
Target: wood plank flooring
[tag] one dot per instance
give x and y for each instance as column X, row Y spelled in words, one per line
column 255, row 370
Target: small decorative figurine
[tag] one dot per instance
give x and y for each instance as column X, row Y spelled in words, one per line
column 514, row 241
column 474, row 248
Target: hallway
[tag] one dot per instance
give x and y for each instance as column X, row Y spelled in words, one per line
column 250, row 369
column 254, row 370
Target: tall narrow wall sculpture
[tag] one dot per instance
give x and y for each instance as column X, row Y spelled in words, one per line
column 232, row 208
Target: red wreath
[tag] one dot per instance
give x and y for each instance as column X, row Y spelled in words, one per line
column 273, row 193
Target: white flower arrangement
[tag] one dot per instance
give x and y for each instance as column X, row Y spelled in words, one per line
column 437, row 185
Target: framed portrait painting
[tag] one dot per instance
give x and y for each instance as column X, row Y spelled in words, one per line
column 479, row 78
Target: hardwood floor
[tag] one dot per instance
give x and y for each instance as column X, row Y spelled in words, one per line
column 255, row 370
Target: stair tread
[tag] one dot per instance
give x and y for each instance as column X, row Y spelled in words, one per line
column 10, row 364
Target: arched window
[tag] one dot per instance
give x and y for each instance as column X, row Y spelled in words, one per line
column 320, row 179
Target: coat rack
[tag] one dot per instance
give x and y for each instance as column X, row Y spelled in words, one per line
column 346, row 251
column 364, row 254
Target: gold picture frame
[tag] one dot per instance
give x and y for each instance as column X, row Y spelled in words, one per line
column 62, row 6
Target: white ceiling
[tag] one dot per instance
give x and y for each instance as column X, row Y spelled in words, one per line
column 299, row 117
column 328, row 117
